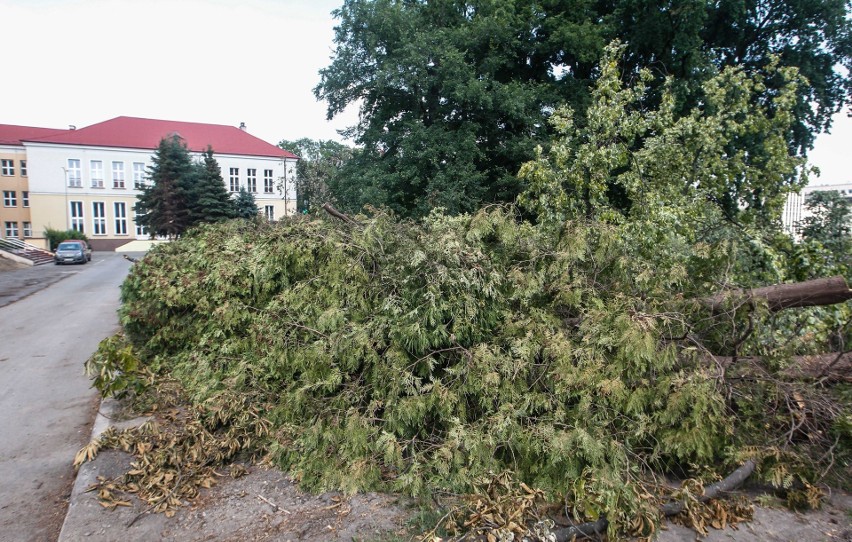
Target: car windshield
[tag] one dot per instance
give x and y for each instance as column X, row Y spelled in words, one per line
column 68, row 246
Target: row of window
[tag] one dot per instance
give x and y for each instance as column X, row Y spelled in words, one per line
column 251, row 180
column 96, row 174
column 7, row 167
column 11, row 229
column 99, row 218
column 10, row 198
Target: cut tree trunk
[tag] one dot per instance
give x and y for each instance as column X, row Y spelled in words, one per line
column 811, row 293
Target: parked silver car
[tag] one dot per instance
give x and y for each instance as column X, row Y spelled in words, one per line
column 72, row 252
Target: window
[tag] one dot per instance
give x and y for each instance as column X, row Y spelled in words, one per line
column 120, row 218
column 96, row 172
column 138, row 175
column 269, row 211
column 267, row 181
column 28, row 229
column 25, row 198
column 76, row 209
column 10, row 198
column 118, row 174
column 8, row 169
column 141, row 231
column 73, row 172
column 98, row 218
column 235, row 179
column 24, row 171
column 251, row 180
column 11, row 229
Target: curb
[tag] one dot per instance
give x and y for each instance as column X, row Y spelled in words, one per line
column 87, row 473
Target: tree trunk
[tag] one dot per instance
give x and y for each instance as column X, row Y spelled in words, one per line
column 811, row 293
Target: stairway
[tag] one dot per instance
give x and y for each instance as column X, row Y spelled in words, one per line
column 21, row 249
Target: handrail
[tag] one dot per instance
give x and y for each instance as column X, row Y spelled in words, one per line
column 17, row 244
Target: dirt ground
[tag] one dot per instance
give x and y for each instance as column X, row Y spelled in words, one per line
column 266, row 505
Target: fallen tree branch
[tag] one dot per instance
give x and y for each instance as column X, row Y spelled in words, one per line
column 327, row 207
column 733, row 481
column 811, row 293
column 831, row 367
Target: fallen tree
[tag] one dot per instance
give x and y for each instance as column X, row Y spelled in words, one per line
column 421, row 358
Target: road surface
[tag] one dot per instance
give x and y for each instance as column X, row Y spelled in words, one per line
column 46, row 403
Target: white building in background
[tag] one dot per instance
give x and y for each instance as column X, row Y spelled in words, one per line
column 794, row 208
column 88, row 179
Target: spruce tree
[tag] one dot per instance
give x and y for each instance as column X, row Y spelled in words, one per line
column 164, row 205
column 245, row 205
column 211, row 202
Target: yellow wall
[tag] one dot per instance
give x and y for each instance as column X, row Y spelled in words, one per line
column 53, row 211
column 19, row 185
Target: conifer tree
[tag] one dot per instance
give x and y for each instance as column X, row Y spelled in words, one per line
column 211, row 202
column 164, row 205
column 245, row 205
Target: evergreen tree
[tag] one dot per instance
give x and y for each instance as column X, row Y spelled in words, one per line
column 245, row 205
column 164, row 205
column 211, row 201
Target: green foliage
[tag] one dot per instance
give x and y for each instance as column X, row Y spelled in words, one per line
column 115, row 369
column 54, row 237
column 245, row 205
column 623, row 161
column 455, row 96
column 423, row 357
column 827, row 231
column 210, row 201
column 164, row 206
column 319, row 165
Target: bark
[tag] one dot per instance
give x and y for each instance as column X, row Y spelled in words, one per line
column 337, row 214
column 811, row 293
column 733, row 481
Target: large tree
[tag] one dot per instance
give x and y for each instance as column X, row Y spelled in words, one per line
column 455, row 95
column 320, row 162
column 163, row 207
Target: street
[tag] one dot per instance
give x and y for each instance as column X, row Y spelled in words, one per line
column 46, row 403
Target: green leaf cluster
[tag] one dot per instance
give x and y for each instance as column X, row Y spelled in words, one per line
column 454, row 96
column 181, row 194
column 421, row 358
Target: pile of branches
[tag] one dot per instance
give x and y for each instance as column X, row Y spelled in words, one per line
column 424, row 358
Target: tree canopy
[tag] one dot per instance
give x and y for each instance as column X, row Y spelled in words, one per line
column 244, row 204
column 211, row 202
column 317, row 171
column 164, row 206
column 182, row 193
column 455, row 95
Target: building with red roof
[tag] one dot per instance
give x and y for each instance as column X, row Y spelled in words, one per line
column 88, row 179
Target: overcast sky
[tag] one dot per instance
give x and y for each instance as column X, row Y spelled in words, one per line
column 223, row 62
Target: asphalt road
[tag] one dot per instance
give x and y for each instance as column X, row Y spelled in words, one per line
column 46, row 403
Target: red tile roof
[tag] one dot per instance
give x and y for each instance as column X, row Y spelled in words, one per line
column 136, row 133
column 11, row 134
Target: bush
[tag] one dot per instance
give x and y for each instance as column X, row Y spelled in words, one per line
column 54, row 237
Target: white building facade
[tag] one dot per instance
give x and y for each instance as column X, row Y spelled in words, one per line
column 86, row 183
